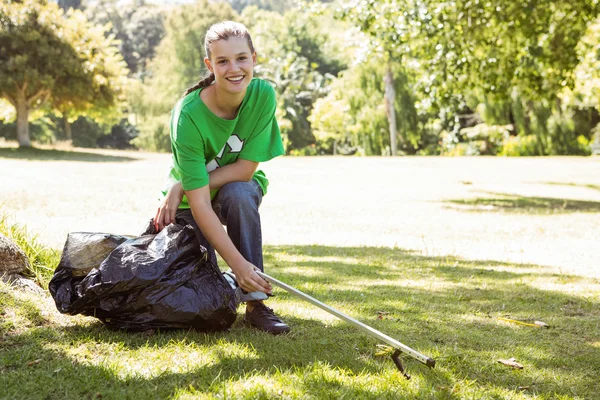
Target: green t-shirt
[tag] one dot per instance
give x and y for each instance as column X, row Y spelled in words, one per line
column 202, row 141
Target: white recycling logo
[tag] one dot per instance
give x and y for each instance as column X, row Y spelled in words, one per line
column 235, row 146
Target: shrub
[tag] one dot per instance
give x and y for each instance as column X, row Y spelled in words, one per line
column 120, row 136
column 153, row 135
column 305, row 151
column 86, row 132
column 519, row 146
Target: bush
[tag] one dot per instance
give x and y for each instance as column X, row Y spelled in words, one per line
column 153, row 135
column 461, row 149
column 515, row 146
column 120, row 136
column 563, row 137
column 305, row 151
column 86, row 132
column 486, row 139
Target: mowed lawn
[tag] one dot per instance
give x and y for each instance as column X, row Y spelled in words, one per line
column 431, row 251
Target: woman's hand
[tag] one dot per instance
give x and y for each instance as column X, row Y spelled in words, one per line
column 249, row 280
column 165, row 214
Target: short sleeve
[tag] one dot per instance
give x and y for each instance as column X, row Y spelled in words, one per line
column 188, row 153
column 265, row 141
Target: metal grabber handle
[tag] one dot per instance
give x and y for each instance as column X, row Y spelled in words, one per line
column 371, row 331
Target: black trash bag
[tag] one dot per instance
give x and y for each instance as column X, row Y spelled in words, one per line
column 153, row 281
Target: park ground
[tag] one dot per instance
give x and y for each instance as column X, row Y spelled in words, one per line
column 430, row 250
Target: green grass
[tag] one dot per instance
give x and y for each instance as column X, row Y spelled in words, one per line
column 444, row 307
column 526, row 204
column 43, row 260
column 584, row 185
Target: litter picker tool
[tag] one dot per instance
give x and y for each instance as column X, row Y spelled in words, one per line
column 371, row 331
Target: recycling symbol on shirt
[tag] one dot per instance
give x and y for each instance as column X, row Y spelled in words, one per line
column 235, row 145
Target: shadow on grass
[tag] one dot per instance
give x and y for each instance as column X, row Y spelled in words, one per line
column 444, row 307
column 34, row 154
column 582, row 185
column 525, row 204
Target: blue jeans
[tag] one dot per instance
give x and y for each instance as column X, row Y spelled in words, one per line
column 236, row 204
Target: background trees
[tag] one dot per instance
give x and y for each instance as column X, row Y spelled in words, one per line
column 49, row 58
column 413, row 77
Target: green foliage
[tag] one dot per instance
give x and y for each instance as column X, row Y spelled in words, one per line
column 120, row 136
column 45, row 128
column 586, row 90
column 353, row 112
column 484, row 139
column 61, row 61
column 301, row 60
column 519, row 146
column 97, row 89
column 138, row 27
column 87, row 131
column 153, row 134
column 513, row 57
column 305, row 151
column 34, row 57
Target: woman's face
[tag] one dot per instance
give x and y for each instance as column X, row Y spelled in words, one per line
column 232, row 62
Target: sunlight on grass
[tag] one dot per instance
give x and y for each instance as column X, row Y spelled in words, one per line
column 298, row 258
column 444, row 307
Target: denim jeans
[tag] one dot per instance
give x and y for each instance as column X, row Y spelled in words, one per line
column 236, row 204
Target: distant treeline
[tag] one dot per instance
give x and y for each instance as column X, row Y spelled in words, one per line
column 363, row 77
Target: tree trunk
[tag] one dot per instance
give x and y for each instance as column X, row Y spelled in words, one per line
column 68, row 133
column 390, row 96
column 23, row 122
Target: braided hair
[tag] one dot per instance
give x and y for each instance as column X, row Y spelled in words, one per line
column 220, row 31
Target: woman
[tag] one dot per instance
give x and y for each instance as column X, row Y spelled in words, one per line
column 220, row 130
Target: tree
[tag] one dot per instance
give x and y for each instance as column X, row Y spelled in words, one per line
column 38, row 64
column 493, row 47
column 97, row 88
column 356, row 118
column 137, row 26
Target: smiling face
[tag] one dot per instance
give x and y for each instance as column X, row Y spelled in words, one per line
column 232, row 62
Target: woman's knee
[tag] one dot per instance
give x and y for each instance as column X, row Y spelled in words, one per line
column 239, row 194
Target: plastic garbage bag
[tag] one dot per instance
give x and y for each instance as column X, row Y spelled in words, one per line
column 152, row 281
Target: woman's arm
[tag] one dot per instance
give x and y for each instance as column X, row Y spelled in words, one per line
column 209, row 224
column 239, row 171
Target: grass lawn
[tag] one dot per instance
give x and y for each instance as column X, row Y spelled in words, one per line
column 446, row 308
column 434, row 252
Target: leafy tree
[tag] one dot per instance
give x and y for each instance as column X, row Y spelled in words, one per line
column 38, row 63
column 356, row 118
column 137, row 26
column 97, row 90
column 495, row 47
